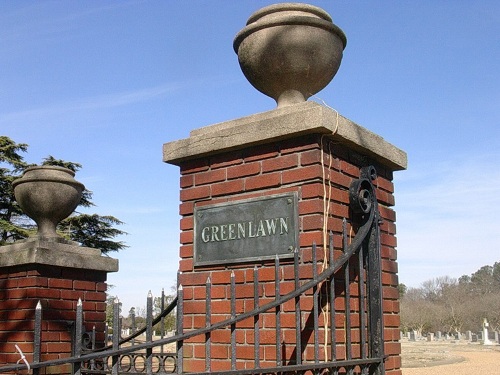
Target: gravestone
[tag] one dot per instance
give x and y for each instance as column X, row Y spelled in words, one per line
column 438, row 335
column 430, row 336
column 497, row 338
column 468, row 335
column 413, row 335
column 474, row 337
column 486, row 339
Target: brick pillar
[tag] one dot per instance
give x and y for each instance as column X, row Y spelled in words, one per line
column 313, row 152
column 55, row 273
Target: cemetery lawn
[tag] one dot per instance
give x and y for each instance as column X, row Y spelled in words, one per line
column 449, row 358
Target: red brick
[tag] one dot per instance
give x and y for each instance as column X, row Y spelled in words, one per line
column 387, row 213
column 311, row 206
column 94, row 316
column 194, row 166
column 260, row 152
column 84, row 285
column 384, row 184
column 229, row 187
column 219, row 351
column 186, row 223
column 385, row 198
column 71, row 295
column 186, row 251
column 194, row 193
column 186, row 208
column 101, row 287
column 307, row 239
column 221, row 277
column 312, row 222
column 186, row 237
column 14, row 293
column 299, row 144
column 209, row 177
column 43, row 293
column 390, row 293
column 191, row 279
column 185, row 265
column 303, row 174
column 263, row 181
column 60, row 283
column 388, row 240
column 314, row 190
column 243, row 170
column 312, row 157
column 226, row 159
column 95, row 296
column 390, row 279
column 339, row 210
column 349, row 169
column 340, row 179
column 186, row 181
column 219, row 292
column 280, row 163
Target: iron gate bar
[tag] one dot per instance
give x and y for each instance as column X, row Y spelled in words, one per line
column 277, row 292
column 208, row 321
column 298, row 323
column 333, row 331
column 315, row 305
column 256, row 319
column 362, row 318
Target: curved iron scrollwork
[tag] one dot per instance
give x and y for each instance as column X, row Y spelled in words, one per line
column 364, row 206
column 362, row 194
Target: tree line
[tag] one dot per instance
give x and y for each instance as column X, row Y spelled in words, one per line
column 453, row 305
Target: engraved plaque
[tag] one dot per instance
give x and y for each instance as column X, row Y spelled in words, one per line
column 247, row 230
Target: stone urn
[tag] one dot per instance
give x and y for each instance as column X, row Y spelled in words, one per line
column 290, row 51
column 47, row 194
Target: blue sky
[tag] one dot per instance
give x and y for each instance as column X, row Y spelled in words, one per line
column 105, row 84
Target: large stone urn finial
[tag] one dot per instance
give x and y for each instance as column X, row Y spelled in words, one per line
column 47, row 194
column 290, row 51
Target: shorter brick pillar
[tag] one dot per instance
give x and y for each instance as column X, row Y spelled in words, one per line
column 55, row 273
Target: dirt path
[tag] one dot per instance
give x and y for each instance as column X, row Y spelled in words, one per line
column 423, row 358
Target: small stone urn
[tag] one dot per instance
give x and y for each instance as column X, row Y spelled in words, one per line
column 47, row 194
column 290, row 51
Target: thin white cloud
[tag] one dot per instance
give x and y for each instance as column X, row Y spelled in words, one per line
column 92, row 103
column 106, row 101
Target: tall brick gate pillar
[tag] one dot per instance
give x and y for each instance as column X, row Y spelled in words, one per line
column 255, row 188
column 53, row 274
column 305, row 149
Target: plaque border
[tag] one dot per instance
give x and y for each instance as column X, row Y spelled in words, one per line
column 255, row 259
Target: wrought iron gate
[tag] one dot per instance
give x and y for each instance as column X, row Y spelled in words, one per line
column 360, row 257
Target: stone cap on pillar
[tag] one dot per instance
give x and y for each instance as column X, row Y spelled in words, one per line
column 55, row 252
column 279, row 124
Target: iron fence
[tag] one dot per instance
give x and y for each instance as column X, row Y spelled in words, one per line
column 361, row 256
